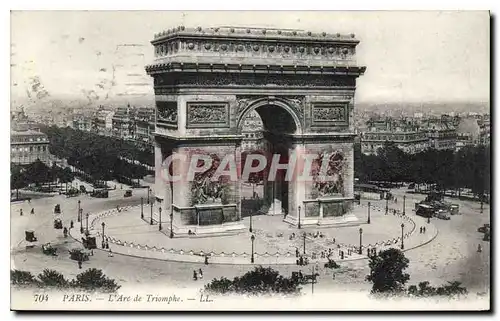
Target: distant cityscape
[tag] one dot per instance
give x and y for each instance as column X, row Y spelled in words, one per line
column 411, row 133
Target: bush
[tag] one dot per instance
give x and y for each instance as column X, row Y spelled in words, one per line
column 257, row 282
column 52, row 278
column 424, row 289
column 18, row 277
column 94, row 279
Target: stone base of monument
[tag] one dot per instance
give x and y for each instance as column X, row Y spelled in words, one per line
column 213, row 219
column 193, row 231
column 348, row 219
column 275, row 208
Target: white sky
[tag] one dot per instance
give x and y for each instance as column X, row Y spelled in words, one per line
column 410, row 56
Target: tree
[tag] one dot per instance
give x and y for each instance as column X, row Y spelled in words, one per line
column 19, row 277
column 387, row 271
column 94, row 279
column 257, row 282
column 52, row 278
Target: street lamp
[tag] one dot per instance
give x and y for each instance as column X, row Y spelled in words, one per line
column 171, row 221
column 368, row 221
column 404, row 204
column 103, row 225
column 304, row 237
column 81, row 221
column 149, row 191
column 299, row 219
column 402, row 236
column 159, row 221
column 151, row 217
column 250, row 228
column 252, row 238
column 360, row 240
column 78, row 216
column 142, row 208
column 87, row 224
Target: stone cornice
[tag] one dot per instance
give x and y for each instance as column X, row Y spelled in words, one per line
column 345, row 69
column 255, row 34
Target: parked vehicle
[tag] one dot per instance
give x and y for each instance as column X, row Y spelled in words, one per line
column 48, row 249
column 100, row 193
column 57, row 209
column 128, row 193
column 78, row 255
column 442, row 215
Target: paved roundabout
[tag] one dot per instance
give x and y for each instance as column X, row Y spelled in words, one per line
column 275, row 241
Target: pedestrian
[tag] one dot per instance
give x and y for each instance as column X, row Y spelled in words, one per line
column 479, row 249
column 425, row 229
column 333, row 275
column 200, row 273
column 107, row 244
column 195, row 276
column 206, row 260
column 32, row 210
column 333, row 240
column 421, row 230
column 21, row 212
column 79, row 264
column 341, row 255
column 71, row 224
column 92, row 252
column 110, row 253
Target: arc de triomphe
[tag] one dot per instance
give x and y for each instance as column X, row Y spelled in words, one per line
column 302, row 84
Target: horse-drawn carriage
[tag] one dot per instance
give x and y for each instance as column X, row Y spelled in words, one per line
column 57, row 209
column 48, row 249
column 78, row 255
column 30, row 236
column 58, row 224
column 89, row 242
column 128, row 193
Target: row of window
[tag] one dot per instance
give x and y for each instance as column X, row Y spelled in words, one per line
column 26, row 139
column 31, row 149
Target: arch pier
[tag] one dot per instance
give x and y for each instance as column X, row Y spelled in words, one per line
column 302, row 84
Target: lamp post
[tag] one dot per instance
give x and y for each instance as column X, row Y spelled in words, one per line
column 78, row 214
column 81, row 221
column 87, row 224
column 360, row 240
column 151, row 216
column 159, row 221
column 252, row 238
column 404, row 204
column 402, row 236
column 142, row 208
column 299, row 217
column 368, row 221
column 171, row 222
column 103, row 225
column 304, row 237
column 250, row 228
column 149, row 191
column 428, row 219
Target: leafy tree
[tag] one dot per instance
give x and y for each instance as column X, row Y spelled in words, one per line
column 94, row 279
column 257, row 282
column 19, row 277
column 387, row 271
column 52, row 278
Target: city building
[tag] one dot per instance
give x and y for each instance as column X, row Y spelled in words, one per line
column 123, row 123
column 144, row 126
column 404, row 133
column 103, row 122
column 28, row 146
column 442, row 135
column 82, row 122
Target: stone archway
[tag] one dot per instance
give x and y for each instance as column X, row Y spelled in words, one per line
column 207, row 80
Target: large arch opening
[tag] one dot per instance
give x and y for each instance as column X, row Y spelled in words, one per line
column 266, row 127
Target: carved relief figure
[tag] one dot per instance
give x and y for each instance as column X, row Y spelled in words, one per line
column 207, row 113
column 334, row 182
column 204, row 190
column 167, row 112
column 329, row 113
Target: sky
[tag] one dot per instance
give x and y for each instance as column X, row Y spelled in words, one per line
column 98, row 56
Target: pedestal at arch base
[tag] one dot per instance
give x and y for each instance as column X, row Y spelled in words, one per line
column 322, row 217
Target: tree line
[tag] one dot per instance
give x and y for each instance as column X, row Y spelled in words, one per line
column 101, row 157
column 445, row 169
